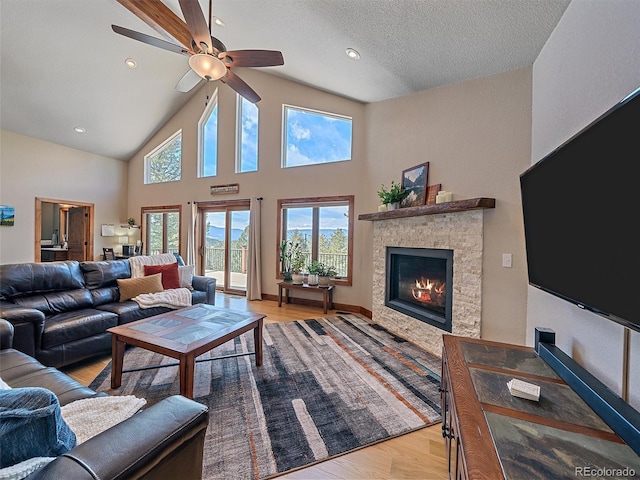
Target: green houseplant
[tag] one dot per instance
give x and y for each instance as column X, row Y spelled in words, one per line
column 391, row 196
column 293, row 261
column 323, row 271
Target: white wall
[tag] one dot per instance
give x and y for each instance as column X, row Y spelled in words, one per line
column 476, row 137
column 31, row 168
column 590, row 62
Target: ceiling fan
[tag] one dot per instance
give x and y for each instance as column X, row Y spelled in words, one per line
column 208, row 57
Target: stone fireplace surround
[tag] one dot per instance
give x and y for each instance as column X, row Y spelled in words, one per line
column 433, row 226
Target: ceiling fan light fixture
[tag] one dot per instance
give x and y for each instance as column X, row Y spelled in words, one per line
column 207, row 66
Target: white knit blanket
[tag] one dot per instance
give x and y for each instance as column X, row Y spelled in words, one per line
column 139, row 261
column 90, row 416
column 172, row 298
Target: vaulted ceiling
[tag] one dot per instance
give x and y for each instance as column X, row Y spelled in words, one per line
column 62, row 65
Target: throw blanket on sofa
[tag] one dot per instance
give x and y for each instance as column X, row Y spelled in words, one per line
column 172, row 298
column 138, row 262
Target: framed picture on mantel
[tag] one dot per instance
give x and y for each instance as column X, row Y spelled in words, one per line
column 414, row 181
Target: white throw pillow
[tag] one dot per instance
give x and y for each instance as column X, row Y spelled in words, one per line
column 186, row 276
column 3, row 385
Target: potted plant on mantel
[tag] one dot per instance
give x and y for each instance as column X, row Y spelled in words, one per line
column 323, row 271
column 392, row 196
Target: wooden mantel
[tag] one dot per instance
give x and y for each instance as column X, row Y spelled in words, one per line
column 447, row 207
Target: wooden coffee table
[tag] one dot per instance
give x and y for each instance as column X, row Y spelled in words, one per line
column 184, row 334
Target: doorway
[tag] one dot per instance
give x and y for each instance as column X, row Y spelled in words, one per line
column 63, row 221
column 224, row 244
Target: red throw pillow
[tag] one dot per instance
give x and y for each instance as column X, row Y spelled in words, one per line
column 169, row 271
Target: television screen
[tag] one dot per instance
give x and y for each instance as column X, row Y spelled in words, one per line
column 581, row 209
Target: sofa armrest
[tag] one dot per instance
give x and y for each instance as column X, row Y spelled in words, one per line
column 205, row 284
column 28, row 324
column 163, row 441
column 6, row 334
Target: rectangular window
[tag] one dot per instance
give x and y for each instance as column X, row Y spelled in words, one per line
column 312, row 137
column 164, row 163
column 208, row 139
column 247, row 135
column 324, row 229
column 161, row 229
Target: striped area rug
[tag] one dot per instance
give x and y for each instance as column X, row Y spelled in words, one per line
column 327, row 386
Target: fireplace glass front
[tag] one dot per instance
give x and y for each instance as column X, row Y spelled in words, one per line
column 419, row 283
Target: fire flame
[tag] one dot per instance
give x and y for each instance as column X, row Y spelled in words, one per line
column 428, row 291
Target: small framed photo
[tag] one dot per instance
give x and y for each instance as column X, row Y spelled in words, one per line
column 432, row 192
column 414, row 181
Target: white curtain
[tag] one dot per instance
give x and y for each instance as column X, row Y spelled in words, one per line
column 254, row 270
column 191, row 235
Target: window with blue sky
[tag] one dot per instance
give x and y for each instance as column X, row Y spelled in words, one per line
column 312, row 137
column 247, row 147
column 208, row 139
column 323, row 227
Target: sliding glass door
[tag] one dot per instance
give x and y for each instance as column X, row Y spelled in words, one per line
column 224, row 244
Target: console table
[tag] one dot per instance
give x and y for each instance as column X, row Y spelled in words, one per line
column 490, row 434
column 327, row 292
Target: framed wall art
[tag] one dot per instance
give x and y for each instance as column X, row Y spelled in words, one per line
column 7, row 215
column 414, row 181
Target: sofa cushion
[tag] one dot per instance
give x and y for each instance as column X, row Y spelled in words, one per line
column 57, row 302
column 21, row 279
column 132, row 287
column 170, row 275
column 105, row 295
column 31, row 425
column 69, row 326
column 130, row 311
column 21, row 370
column 105, row 274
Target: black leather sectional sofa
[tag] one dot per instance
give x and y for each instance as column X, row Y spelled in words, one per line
column 163, row 441
column 61, row 311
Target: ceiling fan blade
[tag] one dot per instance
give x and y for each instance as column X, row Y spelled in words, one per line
column 188, row 81
column 160, row 17
column 252, row 58
column 197, row 24
column 156, row 42
column 240, row 86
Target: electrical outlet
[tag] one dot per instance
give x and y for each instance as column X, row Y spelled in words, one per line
column 506, row 260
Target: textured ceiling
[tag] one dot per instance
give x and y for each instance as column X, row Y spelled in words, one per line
column 61, row 65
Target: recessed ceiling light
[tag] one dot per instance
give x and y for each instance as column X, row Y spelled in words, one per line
column 79, row 129
column 218, row 21
column 353, row 54
column 131, row 63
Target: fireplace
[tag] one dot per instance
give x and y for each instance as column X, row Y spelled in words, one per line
column 419, row 283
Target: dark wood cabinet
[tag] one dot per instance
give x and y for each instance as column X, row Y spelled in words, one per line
column 490, row 434
column 53, row 254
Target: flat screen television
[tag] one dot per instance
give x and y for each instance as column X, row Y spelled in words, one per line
column 581, row 209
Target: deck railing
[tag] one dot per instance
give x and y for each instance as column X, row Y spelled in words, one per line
column 214, row 259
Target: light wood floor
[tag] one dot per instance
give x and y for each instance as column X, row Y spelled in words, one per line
column 418, row 455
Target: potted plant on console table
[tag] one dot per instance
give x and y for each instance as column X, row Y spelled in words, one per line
column 323, row 271
column 293, row 262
